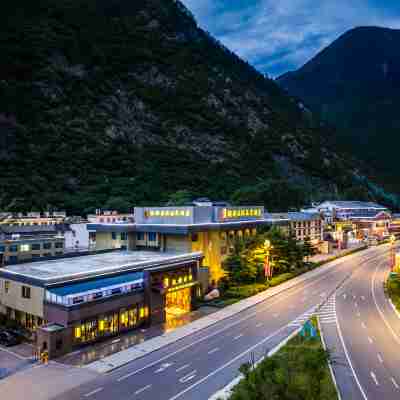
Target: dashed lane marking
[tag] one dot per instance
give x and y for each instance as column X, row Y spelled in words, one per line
column 373, row 376
column 395, row 383
column 370, row 340
column 147, row 387
column 213, row 350
column 380, row 358
column 183, row 367
column 238, row 336
column 188, row 377
column 94, row 392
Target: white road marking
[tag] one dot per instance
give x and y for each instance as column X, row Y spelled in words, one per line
column 344, row 295
column 363, row 297
column 259, row 325
column 395, row 383
column 142, row 389
column 94, row 392
column 223, row 329
column 356, row 304
column 238, row 336
column 182, row 368
column 188, row 377
column 213, row 350
column 227, row 364
column 363, row 325
column 380, row 358
column 358, row 314
column 349, row 361
column 116, row 341
column 370, row 340
column 373, row 376
column 163, row 367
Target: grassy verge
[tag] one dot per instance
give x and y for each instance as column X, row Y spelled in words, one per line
column 333, row 258
column 297, row 371
column 393, row 290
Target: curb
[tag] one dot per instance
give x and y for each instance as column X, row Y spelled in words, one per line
column 394, row 308
column 329, row 362
column 113, row 362
column 225, row 392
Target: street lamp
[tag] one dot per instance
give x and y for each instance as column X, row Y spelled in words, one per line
column 267, row 266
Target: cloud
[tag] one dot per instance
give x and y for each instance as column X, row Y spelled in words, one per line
column 276, row 36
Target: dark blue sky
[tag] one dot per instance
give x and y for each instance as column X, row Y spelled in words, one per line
column 281, row 35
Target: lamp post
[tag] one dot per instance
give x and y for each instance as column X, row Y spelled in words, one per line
column 392, row 252
column 267, row 266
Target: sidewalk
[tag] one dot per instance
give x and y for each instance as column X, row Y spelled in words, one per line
column 320, row 258
column 119, row 359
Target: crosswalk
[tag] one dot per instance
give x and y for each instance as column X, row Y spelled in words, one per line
column 303, row 318
column 326, row 314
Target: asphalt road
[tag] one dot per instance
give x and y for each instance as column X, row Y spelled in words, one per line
column 199, row 365
column 370, row 331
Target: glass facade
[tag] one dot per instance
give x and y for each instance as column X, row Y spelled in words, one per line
column 110, row 324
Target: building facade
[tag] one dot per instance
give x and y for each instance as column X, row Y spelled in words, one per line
column 70, row 302
column 355, row 219
column 31, row 242
column 34, row 218
column 210, row 229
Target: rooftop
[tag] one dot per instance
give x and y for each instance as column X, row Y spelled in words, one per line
column 354, row 204
column 76, row 268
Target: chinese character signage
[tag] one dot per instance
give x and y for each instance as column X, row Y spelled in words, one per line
column 167, row 213
column 238, row 213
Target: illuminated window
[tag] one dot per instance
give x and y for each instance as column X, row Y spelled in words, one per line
column 24, row 247
column 6, row 286
column 187, row 213
column 166, row 282
column 78, row 332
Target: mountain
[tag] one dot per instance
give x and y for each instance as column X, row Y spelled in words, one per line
column 354, row 84
column 110, row 103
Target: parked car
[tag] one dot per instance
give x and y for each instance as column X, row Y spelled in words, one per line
column 8, row 339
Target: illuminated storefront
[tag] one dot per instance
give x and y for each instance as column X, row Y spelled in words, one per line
column 75, row 301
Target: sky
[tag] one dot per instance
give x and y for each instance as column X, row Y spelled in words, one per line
column 277, row 36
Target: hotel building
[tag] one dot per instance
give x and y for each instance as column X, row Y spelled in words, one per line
column 205, row 227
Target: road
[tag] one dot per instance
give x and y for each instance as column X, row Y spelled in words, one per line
column 370, row 331
column 199, row 365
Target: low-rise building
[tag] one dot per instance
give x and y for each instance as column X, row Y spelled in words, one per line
column 207, row 227
column 27, row 243
column 301, row 225
column 73, row 301
column 33, row 218
column 356, row 219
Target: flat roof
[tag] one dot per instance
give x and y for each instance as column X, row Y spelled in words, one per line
column 175, row 229
column 62, row 270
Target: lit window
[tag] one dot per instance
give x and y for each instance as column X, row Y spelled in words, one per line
column 77, row 332
column 166, row 282
column 6, row 286
column 24, row 247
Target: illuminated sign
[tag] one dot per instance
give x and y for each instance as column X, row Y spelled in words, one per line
column 162, row 212
column 231, row 213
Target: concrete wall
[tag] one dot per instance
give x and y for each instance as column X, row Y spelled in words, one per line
column 77, row 237
column 104, row 241
column 14, row 299
column 180, row 244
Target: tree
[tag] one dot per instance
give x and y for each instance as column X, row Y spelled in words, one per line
column 179, row 198
column 117, row 204
column 308, row 248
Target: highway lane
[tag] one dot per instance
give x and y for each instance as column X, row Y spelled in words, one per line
column 197, row 366
column 371, row 331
